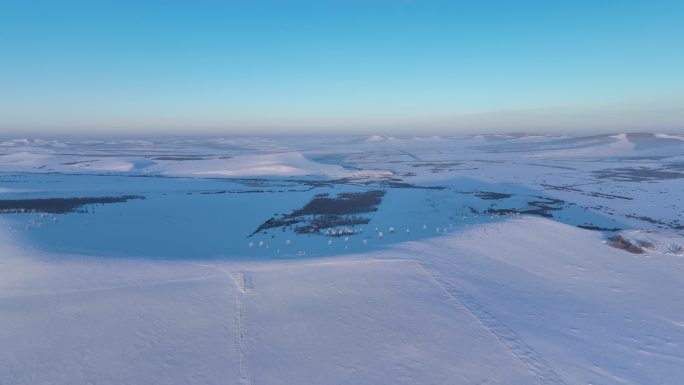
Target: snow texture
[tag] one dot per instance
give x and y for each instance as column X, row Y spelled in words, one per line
column 521, row 302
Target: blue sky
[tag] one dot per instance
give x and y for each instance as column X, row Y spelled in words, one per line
column 341, row 66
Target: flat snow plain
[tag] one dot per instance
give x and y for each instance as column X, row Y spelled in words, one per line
column 517, row 299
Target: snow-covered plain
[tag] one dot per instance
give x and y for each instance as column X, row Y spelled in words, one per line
column 481, row 274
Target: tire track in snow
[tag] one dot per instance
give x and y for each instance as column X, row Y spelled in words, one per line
column 523, row 352
column 241, row 280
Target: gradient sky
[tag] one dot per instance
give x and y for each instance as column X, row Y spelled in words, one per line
column 315, row 66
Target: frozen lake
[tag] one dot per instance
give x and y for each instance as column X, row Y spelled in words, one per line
column 216, row 218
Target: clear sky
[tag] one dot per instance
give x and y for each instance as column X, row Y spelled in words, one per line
column 98, row 66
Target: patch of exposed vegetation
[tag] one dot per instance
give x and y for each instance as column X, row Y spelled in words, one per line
column 236, row 192
column 609, row 196
column 275, row 222
column 58, row 205
column 675, row 224
column 178, row 158
column 79, row 162
column 637, row 174
column 597, row 228
column 620, row 242
column 382, row 182
column 438, row 167
column 488, row 195
column 344, row 203
column 325, row 212
column 646, row 219
column 501, row 212
column 541, row 207
column 322, row 222
column 560, row 188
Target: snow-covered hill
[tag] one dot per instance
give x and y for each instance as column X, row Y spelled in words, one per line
column 521, row 302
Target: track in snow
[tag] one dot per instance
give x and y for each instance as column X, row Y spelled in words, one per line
column 526, row 354
column 241, row 280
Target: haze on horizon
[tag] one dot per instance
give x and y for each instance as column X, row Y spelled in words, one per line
column 133, row 67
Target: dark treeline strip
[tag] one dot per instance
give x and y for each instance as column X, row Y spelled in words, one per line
column 323, row 212
column 58, row 205
column 488, row 195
